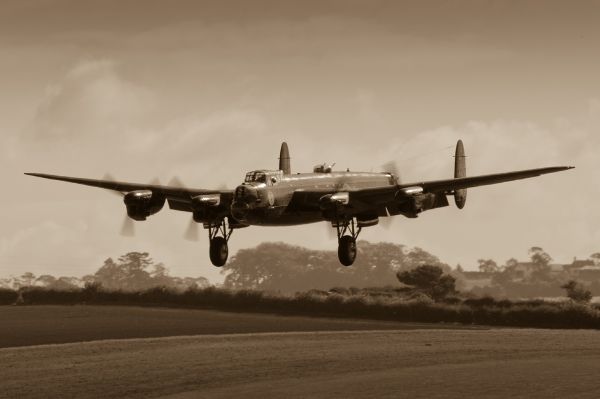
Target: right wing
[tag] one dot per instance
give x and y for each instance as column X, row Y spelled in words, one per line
column 396, row 199
column 447, row 186
column 179, row 198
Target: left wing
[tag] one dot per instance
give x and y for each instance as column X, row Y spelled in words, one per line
column 179, row 198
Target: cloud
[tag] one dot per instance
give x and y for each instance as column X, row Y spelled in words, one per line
column 22, row 251
column 90, row 100
column 490, row 146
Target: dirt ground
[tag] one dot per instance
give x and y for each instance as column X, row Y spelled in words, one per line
column 411, row 363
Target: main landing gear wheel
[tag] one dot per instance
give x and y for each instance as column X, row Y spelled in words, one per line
column 347, row 242
column 218, row 251
column 219, row 234
column 347, row 250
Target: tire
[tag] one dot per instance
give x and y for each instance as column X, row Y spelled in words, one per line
column 347, row 250
column 218, row 251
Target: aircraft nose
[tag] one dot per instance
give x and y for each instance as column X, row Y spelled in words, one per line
column 246, row 194
column 243, row 197
column 239, row 211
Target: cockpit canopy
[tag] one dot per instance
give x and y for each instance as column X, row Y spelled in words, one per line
column 268, row 177
column 256, row 177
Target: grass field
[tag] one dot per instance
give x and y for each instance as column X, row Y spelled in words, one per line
column 52, row 324
column 234, row 359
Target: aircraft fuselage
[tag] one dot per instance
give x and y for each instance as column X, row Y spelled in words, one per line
column 265, row 201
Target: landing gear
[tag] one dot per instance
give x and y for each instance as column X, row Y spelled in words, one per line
column 219, row 251
column 219, row 236
column 347, row 250
column 347, row 234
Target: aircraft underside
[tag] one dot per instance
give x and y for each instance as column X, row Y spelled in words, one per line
column 347, row 231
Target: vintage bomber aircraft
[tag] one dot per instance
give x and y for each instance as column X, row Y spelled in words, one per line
column 348, row 200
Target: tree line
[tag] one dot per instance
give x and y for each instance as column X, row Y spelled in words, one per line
column 287, row 269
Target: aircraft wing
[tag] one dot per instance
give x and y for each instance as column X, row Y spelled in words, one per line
column 449, row 185
column 389, row 200
column 179, row 198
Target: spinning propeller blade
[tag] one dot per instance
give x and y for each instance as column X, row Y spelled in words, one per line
column 128, row 227
column 391, row 167
column 192, row 232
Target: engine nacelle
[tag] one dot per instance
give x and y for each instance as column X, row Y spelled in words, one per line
column 330, row 201
column 367, row 220
column 207, row 208
column 204, row 200
column 422, row 202
column 143, row 203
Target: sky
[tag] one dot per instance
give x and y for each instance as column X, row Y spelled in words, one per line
column 207, row 90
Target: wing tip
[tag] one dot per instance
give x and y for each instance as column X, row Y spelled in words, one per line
column 561, row 168
column 43, row 175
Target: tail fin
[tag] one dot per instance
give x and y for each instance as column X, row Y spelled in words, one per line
column 284, row 159
column 460, row 170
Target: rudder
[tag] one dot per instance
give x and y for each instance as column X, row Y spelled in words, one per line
column 460, row 170
column 284, row 159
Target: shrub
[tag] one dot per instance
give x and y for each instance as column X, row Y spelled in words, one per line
column 367, row 304
column 577, row 292
column 430, row 280
column 8, row 296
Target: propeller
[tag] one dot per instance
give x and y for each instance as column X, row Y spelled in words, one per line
column 128, row 227
column 109, row 177
column 331, row 232
column 192, row 233
column 391, row 167
column 155, row 182
column 176, row 182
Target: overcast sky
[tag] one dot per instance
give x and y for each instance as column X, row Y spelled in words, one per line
column 207, row 91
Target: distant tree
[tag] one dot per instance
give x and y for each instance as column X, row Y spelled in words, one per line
column 541, row 263
column 287, row 268
column 418, row 257
column 429, row 279
column 128, row 273
column 595, row 257
column 459, row 268
column 27, row 279
column 577, row 292
column 511, row 264
column 45, row 280
column 488, row 266
column 502, row 278
column 539, row 257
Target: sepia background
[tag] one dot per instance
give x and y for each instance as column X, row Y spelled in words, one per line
column 207, row 91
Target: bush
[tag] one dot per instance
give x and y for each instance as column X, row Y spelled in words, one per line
column 368, row 304
column 8, row 296
column 429, row 279
column 577, row 292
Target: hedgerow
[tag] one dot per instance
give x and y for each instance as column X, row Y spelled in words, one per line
column 354, row 303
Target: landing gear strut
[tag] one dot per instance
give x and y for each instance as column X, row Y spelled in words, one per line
column 347, row 233
column 219, row 236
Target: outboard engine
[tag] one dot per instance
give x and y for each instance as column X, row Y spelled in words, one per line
column 143, row 203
